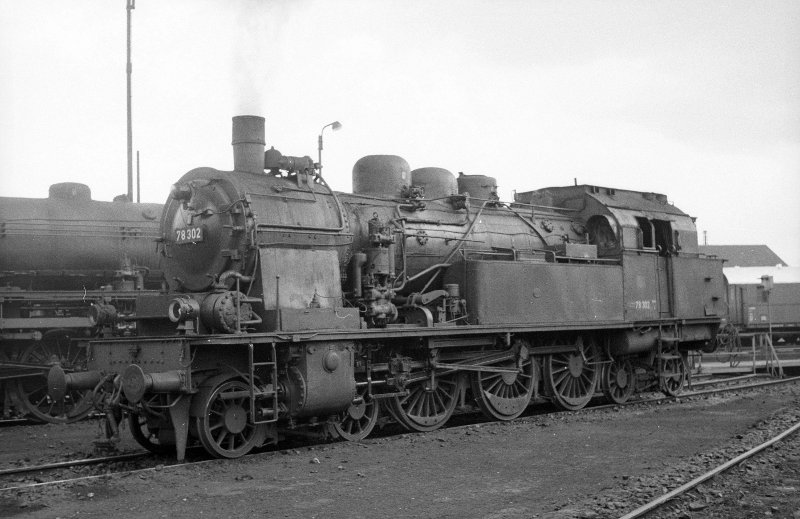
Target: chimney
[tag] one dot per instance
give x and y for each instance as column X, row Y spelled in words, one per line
column 248, row 143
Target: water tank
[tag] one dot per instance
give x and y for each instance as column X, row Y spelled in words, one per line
column 381, row 175
column 478, row 186
column 437, row 182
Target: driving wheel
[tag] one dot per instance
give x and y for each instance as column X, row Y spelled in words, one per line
column 571, row 378
column 427, row 408
column 505, row 395
column 55, row 348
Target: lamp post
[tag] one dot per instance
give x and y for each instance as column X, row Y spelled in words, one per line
column 129, row 6
column 335, row 126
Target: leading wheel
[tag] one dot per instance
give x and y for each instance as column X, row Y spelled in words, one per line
column 357, row 421
column 56, row 347
column 427, row 408
column 571, row 378
column 505, row 396
column 618, row 380
column 673, row 375
column 224, row 427
column 151, row 426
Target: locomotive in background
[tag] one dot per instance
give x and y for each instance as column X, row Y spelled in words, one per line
column 70, row 269
column 293, row 306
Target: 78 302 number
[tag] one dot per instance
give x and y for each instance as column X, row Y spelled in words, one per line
column 189, row 235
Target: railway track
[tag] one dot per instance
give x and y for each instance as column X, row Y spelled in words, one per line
column 156, row 463
column 683, row 489
column 14, row 422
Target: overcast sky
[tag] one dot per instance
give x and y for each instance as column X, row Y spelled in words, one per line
column 699, row 100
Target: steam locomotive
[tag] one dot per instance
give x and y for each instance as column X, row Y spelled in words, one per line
column 70, row 268
column 295, row 307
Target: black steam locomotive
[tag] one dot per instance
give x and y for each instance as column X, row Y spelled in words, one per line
column 70, row 269
column 293, row 306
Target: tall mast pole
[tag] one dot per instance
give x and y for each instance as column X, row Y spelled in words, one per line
column 130, row 6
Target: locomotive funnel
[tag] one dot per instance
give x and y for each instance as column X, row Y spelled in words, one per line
column 248, row 143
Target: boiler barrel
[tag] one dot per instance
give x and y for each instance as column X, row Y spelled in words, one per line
column 72, row 240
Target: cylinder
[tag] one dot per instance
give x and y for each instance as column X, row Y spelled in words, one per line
column 437, row 182
column 248, row 143
column 478, row 186
column 381, row 175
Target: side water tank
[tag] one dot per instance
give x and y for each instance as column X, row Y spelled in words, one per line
column 437, row 182
column 478, row 186
column 381, row 175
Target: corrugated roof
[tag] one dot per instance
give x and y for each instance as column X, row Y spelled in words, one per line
column 744, row 255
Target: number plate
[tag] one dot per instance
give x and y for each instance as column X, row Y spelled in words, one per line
column 189, row 235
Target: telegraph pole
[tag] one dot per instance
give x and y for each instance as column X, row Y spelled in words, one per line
column 130, row 6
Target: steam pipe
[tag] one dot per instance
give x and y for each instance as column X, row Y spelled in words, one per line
column 359, row 258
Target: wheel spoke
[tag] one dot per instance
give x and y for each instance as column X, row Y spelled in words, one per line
column 431, row 409
column 222, row 434
column 33, row 392
column 571, row 379
column 504, row 396
column 561, row 378
column 346, row 427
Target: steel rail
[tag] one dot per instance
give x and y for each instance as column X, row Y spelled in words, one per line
column 100, row 476
column 692, row 394
column 74, row 463
column 13, row 422
column 652, row 505
column 712, row 381
column 735, row 388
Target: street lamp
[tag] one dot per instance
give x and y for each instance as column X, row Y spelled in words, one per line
column 335, row 126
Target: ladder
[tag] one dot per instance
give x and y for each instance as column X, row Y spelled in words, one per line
column 259, row 414
column 668, row 350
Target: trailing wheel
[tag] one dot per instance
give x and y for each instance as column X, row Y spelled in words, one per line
column 55, row 348
column 223, row 423
column 618, row 380
column 427, row 408
column 357, row 421
column 571, row 378
column 505, row 396
column 673, row 375
column 151, row 426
